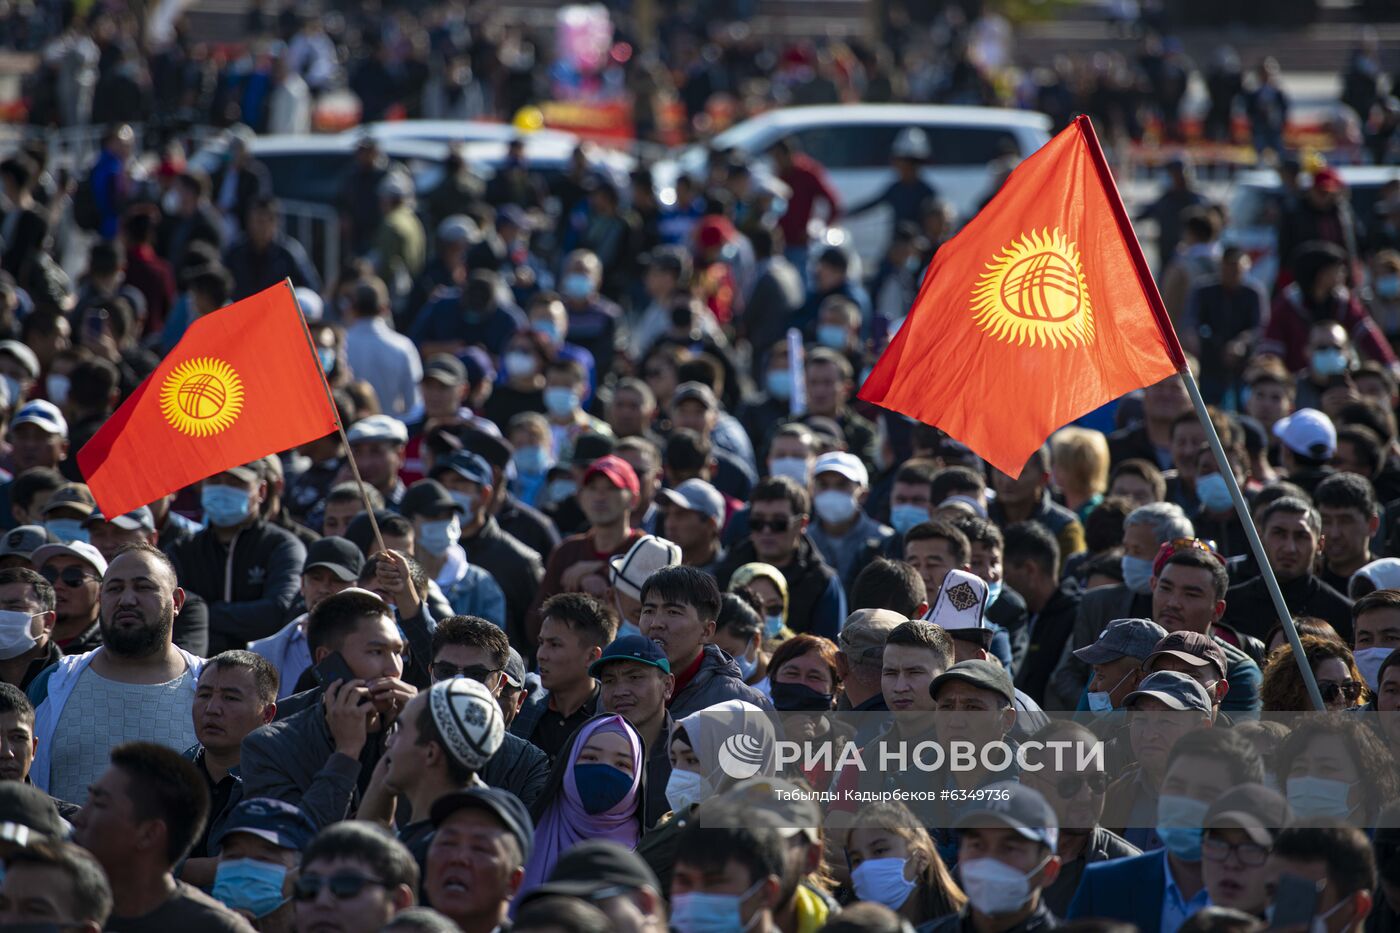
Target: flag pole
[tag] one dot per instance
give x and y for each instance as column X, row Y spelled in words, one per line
column 1164, row 324
column 330, row 396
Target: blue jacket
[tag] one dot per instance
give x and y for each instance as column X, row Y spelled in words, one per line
column 1126, row 889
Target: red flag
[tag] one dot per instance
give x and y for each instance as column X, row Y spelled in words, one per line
column 1039, row 311
column 241, row 384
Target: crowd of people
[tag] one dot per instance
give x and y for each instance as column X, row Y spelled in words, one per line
column 621, row 504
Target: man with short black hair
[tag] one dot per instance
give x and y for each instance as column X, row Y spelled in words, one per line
column 141, row 818
column 1350, row 517
column 26, row 644
column 1033, row 569
column 1340, row 860
column 725, row 855
column 680, row 608
column 890, row 584
column 573, row 633
column 935, row 547
column 1291, row 531
column 58, row 884
column 464, row 646
column 354, row 878
column 1189, row 594
column 318, row 757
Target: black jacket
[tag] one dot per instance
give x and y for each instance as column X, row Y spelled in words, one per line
column 1050, row 629
column 808, row 581
column 1009, row 611
column 1040, row 921
column 519, row 767
column 515, row 566
column 265, row 567
column 1250, row 610
column 718, row 679
column 529, row 526
column 1103, row 845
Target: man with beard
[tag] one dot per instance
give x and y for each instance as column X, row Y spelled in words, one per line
column 138, row 686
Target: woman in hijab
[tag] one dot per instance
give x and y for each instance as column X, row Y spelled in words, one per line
column 594, row 792
column 770, row 586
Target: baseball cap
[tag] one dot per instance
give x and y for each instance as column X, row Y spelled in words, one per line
column 965, row 503
column 459, row 228
column 338, row 555
column 865, row 632
column 501, row 804
column 138, row 519
column 270, row 819
column 1383, row 574
column 45, row 414
column 494, row 450
column 469, row 466
column 469, row 720
column 618, row 471
column 515, row 669
column 844, row 464
column 310, row 303
column 27, row 815
column 1176, row 690
column 427, row 497
column 395, row 185
column 378, row 428
column 23, row 541
column 597, row 869
column 695, row 392
column 985, row 675
column 75, row 496
column 1012, row 805
column 1308, row 432
column 80, row 549
column 590, row 446
column 1195, row 648
column 1328, row 179
column 1123, row 638
column 244, row 473
column 445, row 368
column 637, row 648
column 696, row 495
column 1258, row 810
column 780, row 803
column 647, row 555
column 958, row 607
column 23, row 354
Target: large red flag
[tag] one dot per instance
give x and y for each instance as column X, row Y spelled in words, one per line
column 1039, row 311
column 242, row 383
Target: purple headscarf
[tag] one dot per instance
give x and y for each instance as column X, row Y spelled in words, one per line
column 566, row 823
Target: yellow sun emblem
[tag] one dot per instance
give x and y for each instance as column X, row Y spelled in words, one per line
column 201, row 396
column 1034, row 293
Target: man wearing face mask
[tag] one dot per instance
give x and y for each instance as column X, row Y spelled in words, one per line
column 1319, row 292
column 1145, row 530
column 65, row 512
column 1006, row 859
column 593, row 319
column 245, row 568
column 842, row 529
column 1340, row 861
column 1330, row 361
column 1377, row 632
column 1158, row 890
column 728, row 873
column 26, row 626
column 1115, row 659
column 259, row 848
column 437, row 527
column 772, row 403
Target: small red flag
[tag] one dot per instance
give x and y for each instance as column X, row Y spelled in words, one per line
column 241, row 384
column 1039, row 311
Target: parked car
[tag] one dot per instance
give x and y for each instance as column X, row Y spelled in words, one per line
column 453, row 131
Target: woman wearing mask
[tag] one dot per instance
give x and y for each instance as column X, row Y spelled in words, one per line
column 533, row 457
column 1335, row 768
column 770, row 586
column 522, row 386
column 739, row 634
column 1332, row 666
column 1217, row 519
column 595, row 792
column 804, row 686
column 893, row 862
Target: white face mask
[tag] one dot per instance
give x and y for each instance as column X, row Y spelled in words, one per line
column 15, row 633
column 1368, row 662
column 794, row 468
column 685, row 789
column 834, row 506
column 994, row 887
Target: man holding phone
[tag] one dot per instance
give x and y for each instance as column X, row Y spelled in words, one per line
column 1323, row 877
column 315, row 758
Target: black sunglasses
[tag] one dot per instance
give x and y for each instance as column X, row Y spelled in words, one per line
column 343, row 887
column 443, row 670
column 70, row 576
column 1068, row 786
column 782, row 523
column 1331, row 690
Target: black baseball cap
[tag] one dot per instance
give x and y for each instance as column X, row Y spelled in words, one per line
column 445, row 368
column 515, row 669
column 501, row 804
column 427, row 497
column 987, row 675
column 595, row 870
column 494, row 450
column 1012, row 805
column 338, row 555
column 590, row 446
column 471, row 467
column 28, row 815
column 275, row 821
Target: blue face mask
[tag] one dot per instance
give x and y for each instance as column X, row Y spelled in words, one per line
column 224, row 506
column 247, row 884
column 466, row 501
column 1314, row 798
column 772, row 626
column 1388, row 286
column 1137, row 574
column 532, row 461
column 747, row 666
column 1214, row 493
column 327, row 357
column 904, row 517
column 711, row 913
column 1179, row 823
column 993, row 591
column 779, row 384
column 67, row 530
column 560, row 401
column 547, row 330
column 832, row 335
column 437, row 537
column 601, row 787
column 1329, row 361
column 576, row 285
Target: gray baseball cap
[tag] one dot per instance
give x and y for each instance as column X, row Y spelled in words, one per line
column 1176, row 690
column 696, row 495
column 1123, row 638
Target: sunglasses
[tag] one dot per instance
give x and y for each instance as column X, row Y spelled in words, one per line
column 1332, row 691
column 1218, row 850
column 70, row 576
column 780, row 524
column 442, row 670
column 1068, row 787
column 343, row 887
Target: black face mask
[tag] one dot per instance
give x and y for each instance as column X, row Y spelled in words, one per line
column 799, row 698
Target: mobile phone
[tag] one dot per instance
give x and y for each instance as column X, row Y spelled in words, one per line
column 331, row 669
column 1295, row 902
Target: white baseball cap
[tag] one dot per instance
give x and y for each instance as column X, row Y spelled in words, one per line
column 45, row 414
column 1308, row 433
column 847, row 465
column 79, row 549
